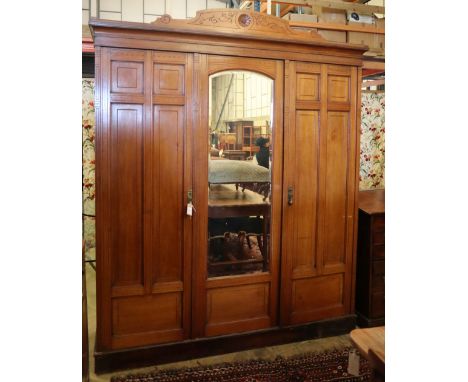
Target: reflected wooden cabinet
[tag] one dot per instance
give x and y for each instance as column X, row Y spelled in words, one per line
column 156, row 300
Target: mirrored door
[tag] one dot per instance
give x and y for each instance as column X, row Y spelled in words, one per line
column 240, row 158
column 237, row 194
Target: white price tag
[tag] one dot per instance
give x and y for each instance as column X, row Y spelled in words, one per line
column 353, row 363
column 190, row 209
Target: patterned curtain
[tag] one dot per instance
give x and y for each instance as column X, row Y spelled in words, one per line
column 88, row 134
column 372, row 171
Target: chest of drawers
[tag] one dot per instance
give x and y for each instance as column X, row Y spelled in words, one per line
column 370, row 272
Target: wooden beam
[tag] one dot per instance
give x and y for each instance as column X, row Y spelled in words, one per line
column 286, row 10
column 338, row 27
column 370, row 83
column 371, row 72
column 87, row 45
column 371, row 64
column 335, row 4
column 244, row 4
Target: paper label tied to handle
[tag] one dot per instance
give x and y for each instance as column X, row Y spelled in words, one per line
column 190, row 209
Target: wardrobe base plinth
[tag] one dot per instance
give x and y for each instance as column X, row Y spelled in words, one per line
column 108, row 361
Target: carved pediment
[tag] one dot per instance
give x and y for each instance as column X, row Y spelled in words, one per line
column 240, row 22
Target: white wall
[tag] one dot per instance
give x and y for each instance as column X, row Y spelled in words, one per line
column 148, row 10
column 145, row 10
column 250, row 98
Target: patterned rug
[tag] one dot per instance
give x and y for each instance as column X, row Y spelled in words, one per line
column 323, row 367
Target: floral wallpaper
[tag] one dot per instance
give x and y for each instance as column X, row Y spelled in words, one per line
column 371, row 176
column 372, row 171
column 88, row 133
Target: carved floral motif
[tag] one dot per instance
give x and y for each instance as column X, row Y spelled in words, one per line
column 165, row 19
column 239, row 20
column 266, row 22
column 214, row 19
column 245, row 20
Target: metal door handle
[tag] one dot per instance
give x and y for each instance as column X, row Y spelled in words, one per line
column 290, row 195
column 189, row 196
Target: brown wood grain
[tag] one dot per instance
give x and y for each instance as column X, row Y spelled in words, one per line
column 151, row 143
column 168, row 192
column 264, row 49
column 203, row 347
column 242, row 317
column 370, row 284
column 352, row 188
column 372, row 201
column 216, row 24
column 306, row 189
column 188, row 186
column 144, row 142
column 336, row 192
column 326, row 300
column 370, row 338
column 318, row 238
column 200, row 196
column 287, row 231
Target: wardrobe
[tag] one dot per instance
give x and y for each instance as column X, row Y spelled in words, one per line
column 158, row 300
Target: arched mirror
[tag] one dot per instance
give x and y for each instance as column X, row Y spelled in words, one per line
column 239, row 172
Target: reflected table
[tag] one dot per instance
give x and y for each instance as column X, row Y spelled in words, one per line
column 224, row 201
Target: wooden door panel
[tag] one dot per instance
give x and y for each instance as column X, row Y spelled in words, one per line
column 127, row 77
column 307, row 87
column 306, row 181
column 168, row 79
column 237, row 309
column 316, row 298
column 126, row 193
column 147, row 313
column 338, row 89
column 336, row 189
column 168, row 167
column 237, row 303
column 320, row 167
column 143, row 174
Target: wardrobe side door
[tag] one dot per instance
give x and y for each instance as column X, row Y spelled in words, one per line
column 143, row 236
column 320, row 180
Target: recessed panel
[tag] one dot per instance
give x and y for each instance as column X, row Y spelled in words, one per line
column 338, row 89
column 168, row 79
column 336, row 188
column 306, row 180
column 237, row 303
column 307, row 87
column 318, row 293
column 126, row 192
column 127, row 77
column 168, row 192
column 146, row 313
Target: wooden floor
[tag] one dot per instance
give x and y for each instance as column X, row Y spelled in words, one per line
column 270, row 353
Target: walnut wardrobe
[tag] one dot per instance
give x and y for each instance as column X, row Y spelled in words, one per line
column 163, row 293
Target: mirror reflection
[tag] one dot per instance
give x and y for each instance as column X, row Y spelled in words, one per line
column 239, row 173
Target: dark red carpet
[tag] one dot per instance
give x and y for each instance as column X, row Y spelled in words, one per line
column 323, row 367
